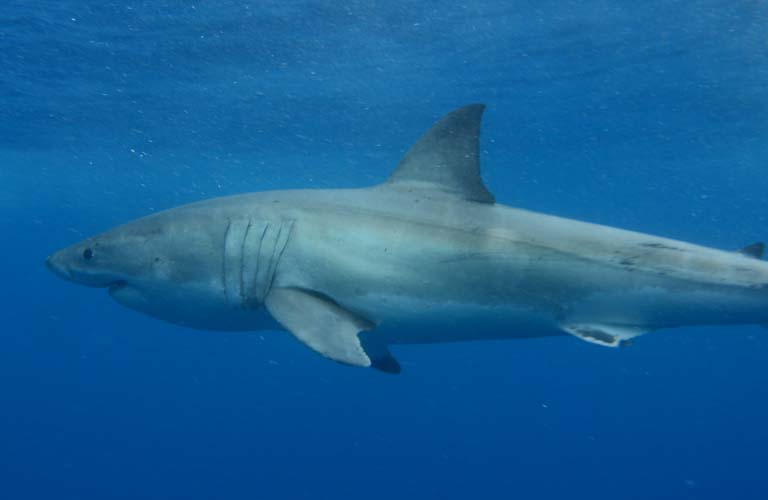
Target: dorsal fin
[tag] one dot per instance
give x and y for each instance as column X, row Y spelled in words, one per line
column 446, row 158
column 755, row 250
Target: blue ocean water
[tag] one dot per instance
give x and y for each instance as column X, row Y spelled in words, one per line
column 646, row 115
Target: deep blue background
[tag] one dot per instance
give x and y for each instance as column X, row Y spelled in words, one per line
column 647, row 115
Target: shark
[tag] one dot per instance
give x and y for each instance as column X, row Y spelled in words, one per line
column 425, row 257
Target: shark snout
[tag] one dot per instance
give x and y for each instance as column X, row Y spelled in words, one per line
column 77, row 264
column 58, row 267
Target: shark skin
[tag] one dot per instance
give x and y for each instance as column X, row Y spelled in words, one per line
column 426, row 257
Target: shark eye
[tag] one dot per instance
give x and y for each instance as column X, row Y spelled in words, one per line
column 87, row 254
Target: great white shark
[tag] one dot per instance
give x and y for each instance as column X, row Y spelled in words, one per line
column 425, row 257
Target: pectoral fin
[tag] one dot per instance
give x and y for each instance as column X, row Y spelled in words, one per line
column 328, row 328
column 605, row 335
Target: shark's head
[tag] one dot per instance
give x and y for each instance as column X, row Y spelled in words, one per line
column 142, row 256
column 109, row 260
column 166, row 265
column 194, row 265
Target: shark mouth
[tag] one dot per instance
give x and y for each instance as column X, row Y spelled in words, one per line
column 117, row 286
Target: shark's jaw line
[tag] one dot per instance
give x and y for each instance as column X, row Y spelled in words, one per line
column 116, row 286
column 427, row 256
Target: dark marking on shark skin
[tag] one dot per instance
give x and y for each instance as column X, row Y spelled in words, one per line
column 661, row 246
column 755, row 250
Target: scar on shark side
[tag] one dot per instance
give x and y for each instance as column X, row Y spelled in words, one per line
column 425, row 257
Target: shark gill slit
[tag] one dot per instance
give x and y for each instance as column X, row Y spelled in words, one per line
column 257, row 293
column 271, row 264
column 224, row 258
column 281, row 244
column 252, row 254
column 242, row 264
column 234, row 259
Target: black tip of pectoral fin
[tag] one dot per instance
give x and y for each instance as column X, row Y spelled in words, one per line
column 378, row 353
column 755, row 250
column 386, row 365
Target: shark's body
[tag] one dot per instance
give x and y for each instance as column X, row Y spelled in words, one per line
column 426, row 257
